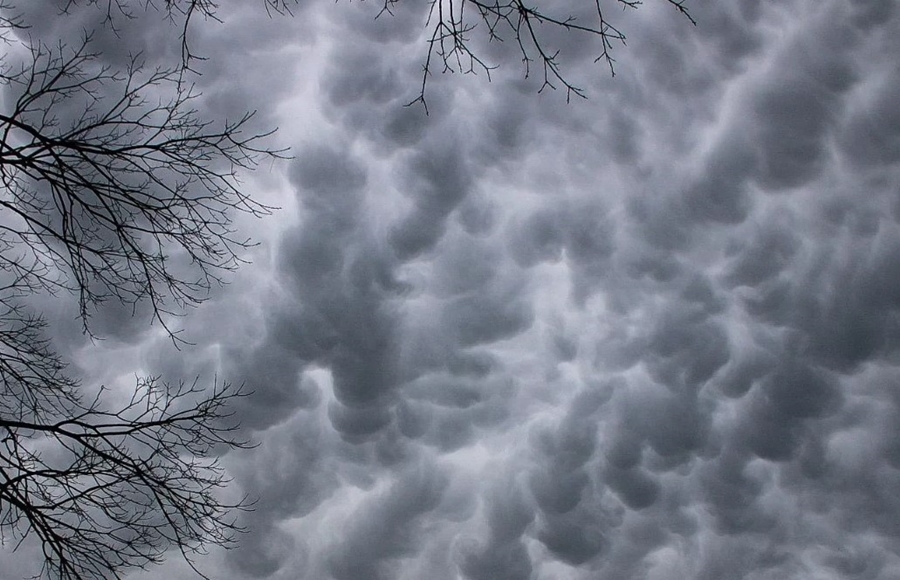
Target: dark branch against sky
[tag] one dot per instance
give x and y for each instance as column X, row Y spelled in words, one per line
column 653, row 333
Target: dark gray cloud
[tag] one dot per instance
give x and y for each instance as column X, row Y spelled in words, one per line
column 648, row 335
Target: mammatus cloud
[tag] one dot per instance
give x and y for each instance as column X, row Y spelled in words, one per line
column 653, row 334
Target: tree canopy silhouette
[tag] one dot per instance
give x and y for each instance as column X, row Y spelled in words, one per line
column 112, row 188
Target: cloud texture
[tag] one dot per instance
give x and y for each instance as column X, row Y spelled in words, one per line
column 653, row 334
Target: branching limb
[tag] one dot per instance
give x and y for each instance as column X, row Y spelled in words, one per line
column 452, row 26
column 109, row 194
column 121, row 486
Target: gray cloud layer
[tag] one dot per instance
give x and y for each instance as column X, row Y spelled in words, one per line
column 653, row 334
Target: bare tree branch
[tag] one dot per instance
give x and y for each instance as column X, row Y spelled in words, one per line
column 105, row 491
column 108, row 194
column 452, row 24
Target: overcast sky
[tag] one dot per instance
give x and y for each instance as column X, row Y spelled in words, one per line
column 653, row 334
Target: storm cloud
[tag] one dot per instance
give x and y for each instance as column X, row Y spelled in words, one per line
column 651, row 334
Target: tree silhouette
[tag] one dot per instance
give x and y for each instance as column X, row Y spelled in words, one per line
column 453, row 24
column 112, row 188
